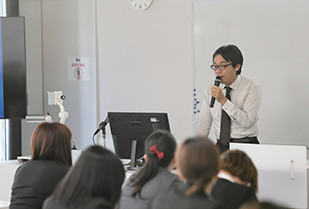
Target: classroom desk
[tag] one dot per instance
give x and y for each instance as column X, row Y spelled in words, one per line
column 7, row 173
column 4, row 204
column 282, row 172
column 8, row 169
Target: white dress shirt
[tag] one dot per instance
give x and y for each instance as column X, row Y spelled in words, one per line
column 223, row 175
column 246, row 98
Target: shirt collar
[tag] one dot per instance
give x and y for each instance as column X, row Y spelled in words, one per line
column 223, row 175
column 235, row 84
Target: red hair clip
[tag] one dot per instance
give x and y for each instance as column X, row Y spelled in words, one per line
column 154, row 149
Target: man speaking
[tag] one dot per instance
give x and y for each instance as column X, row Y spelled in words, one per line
column 231, row 103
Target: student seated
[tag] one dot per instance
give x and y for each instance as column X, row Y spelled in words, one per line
column 197, row 164
column 51, row 158
column 94, row 182
column 237, row 179
column 155, row 177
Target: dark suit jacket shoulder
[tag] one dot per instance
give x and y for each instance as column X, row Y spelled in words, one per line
column 93, row 203
column 232, row 194
column 34, row 181
column 154, row 186
column 176, row 198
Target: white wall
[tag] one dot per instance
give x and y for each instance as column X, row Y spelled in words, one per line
column 68, row 28
column 31, row 9
column 55, row 31
column 139, row 61
column 145, row 60
column 273, row 36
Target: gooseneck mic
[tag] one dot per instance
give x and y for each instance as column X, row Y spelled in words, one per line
column 102, row 126
column 217, row 83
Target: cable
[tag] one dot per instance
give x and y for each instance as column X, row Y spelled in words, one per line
column 93, row 140
column 73, row 146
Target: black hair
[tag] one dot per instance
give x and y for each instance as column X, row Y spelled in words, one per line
column 166, row 143
column 97, row 173
column 230, row 53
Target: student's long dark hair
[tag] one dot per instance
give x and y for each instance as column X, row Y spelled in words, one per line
column 98, row 173
column 156, row 143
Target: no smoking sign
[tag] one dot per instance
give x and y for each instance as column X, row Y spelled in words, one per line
column 78, row 68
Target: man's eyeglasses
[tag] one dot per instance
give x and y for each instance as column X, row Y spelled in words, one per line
column 221, row 67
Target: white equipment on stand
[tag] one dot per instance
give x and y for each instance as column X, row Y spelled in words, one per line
column 56, row 98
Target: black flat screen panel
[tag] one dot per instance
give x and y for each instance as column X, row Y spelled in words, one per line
column 129, row 126
column 13, row 93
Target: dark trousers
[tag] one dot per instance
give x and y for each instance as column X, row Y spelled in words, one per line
column 224, row 147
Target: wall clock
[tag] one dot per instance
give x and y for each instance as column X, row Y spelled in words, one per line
column 141, row 4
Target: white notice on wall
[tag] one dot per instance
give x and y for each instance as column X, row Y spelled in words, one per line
column 78, row 68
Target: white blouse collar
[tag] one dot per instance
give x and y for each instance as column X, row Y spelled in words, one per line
column 223, row 175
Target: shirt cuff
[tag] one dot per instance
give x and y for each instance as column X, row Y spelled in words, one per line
column 228, row 108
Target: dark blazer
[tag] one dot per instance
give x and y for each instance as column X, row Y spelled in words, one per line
column 34, row 181
column 93, row 203
column 232, row 195
column 154, row 186
column 176, row 198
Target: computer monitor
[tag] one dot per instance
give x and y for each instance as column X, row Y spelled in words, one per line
column 130, row 129
column 13, row 93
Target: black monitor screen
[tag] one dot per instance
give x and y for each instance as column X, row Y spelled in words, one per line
column 126, row 127
column 13, row 94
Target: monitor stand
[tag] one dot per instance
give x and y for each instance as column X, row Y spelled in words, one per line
column 133, row 164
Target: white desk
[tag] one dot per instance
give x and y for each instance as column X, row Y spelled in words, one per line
column 282, row 172
column 4, row 204
column 8, row 169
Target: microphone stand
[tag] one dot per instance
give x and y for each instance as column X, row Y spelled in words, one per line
column 101, row 127
column 104, row 137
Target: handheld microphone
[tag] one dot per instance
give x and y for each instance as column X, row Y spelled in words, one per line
column 102, row 126
column 217, row 83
